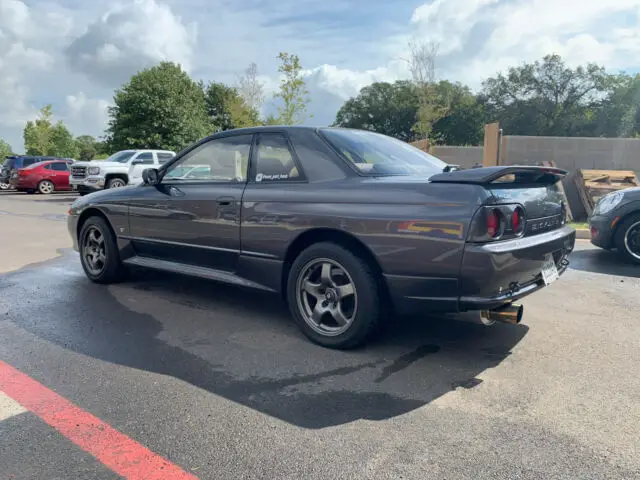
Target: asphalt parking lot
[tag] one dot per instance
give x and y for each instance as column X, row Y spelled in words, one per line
column 218, row 382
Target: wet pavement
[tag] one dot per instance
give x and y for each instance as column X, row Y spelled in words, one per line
column 218, row 380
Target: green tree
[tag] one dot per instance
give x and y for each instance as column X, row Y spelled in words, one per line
column 619, row 115
column 62, row 142
column 293, row 91
column 546, row 98
column 160, row 107
column 5, row 150
column 227, row 109
column 87, row 149
column 463, row 123
column 387, row 108
column 37, row 134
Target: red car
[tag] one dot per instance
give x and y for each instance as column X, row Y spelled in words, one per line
column 44, row 177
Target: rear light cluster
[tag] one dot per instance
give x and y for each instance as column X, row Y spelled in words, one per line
column 498, row 223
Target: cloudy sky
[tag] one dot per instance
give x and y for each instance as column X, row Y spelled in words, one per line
column 73, row 53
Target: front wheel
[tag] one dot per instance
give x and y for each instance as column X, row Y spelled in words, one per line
column 99, row 253
column 333, row 296
column 116, row 183
column 628, row 238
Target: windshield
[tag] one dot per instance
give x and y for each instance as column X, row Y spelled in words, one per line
column 121, row 157
column 375, row 154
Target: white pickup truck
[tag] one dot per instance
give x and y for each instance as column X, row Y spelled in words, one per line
column 120, row 169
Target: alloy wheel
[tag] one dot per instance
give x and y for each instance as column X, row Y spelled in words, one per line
column 326, row 297
column 93, row 251
column 46, row 187
column 116, row 183
column 632, row 240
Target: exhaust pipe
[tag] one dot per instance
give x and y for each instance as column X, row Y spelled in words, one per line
column 511, row 313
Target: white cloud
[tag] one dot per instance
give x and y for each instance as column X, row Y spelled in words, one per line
column 130, row 37
column 104, row 43
column 85, row 115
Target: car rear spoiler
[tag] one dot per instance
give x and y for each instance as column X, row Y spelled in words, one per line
column 488, row 175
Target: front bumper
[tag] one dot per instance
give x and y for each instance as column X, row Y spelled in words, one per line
column 601, row 230
column 90, row 183
column 72, row 227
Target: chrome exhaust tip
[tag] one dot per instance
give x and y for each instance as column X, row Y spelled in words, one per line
column 511, row 313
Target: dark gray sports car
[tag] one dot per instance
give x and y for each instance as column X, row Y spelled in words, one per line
column 348, row 226
column 615, row 223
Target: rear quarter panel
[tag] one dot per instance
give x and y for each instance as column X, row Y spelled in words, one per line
column 412, row 229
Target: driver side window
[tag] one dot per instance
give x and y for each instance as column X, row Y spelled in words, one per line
column 221, row 160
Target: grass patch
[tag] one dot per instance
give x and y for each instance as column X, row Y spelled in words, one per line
column 579, row 225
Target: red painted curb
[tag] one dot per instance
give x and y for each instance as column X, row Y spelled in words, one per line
column 115, row 450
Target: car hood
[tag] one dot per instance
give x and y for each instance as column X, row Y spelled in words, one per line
column 102, row 197
column 101, row 164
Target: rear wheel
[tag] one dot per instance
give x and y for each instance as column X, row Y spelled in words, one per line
column 99, row 253
column 46, row 187
column 628, row 238
column 333, row 296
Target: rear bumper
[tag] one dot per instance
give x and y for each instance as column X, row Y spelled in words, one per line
column 491, row 275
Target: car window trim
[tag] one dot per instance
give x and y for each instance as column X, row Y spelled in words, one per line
column 296, row 160
column 164, row 167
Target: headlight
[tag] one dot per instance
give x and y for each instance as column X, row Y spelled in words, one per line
column 608, row 203
column 94, row 170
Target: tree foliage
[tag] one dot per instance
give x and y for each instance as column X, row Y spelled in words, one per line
column 227, row 109
column 387, row 108
column 160, row 107
column 5, row 150
column 547, row 98
column 87, row 147
column 293, row 91
column 392, row 109
column 43, row 137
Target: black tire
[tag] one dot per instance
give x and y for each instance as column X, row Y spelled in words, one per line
column 367, row 314
column 82, row 194
column 113, row 270
column 630, row 223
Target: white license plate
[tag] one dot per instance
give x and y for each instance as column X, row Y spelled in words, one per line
column 74, row 187
column 549, row 271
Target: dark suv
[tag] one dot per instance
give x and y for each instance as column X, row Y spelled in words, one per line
column 16, row 162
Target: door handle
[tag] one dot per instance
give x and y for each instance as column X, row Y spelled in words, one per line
column 224, row 201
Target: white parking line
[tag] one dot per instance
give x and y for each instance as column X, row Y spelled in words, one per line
column 9, row 407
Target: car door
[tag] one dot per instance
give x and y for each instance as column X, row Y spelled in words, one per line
column 138, row 163
column 193, row 215
column 59, row 175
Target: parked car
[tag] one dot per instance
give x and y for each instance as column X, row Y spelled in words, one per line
column 44, row 177
column 15, row 162
column 120, row 169
column 349, row 226
column 615, row 223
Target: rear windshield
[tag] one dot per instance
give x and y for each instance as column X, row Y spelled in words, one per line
column 375, row 154
column 8, row 163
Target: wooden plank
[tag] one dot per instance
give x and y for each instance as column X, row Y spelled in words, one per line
column 490, row 150
column 582, row 192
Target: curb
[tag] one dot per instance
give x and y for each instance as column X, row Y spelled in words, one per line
column 583, row 234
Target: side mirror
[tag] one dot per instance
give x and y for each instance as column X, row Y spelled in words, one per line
column 137, row 161
column 150, row 176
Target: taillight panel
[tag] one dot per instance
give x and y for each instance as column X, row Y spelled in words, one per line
column 497, row 222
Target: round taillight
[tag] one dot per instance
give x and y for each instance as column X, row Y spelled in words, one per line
column 517, row 220
column 493, row 223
